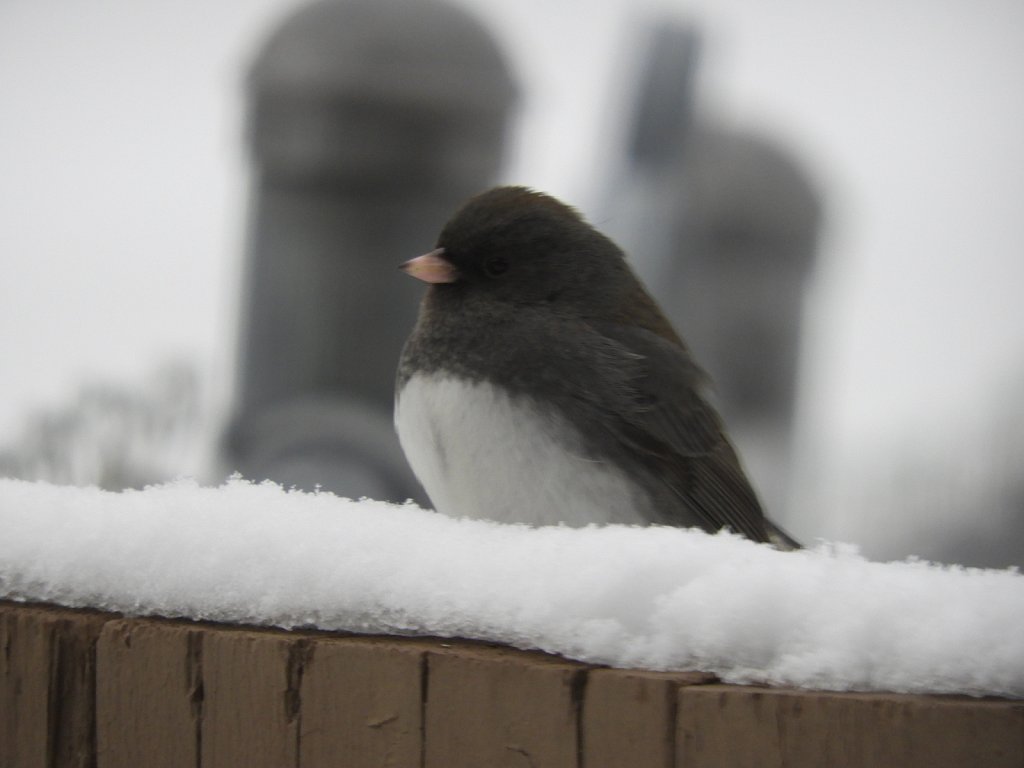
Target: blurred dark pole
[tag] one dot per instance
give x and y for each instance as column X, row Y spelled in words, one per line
column 369, row 121
column 723, row 227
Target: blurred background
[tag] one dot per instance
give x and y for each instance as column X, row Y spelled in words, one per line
column 201, row 208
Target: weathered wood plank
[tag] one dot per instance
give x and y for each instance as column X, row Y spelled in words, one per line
column 47, row 686
column 362, row 703
column 629, row 717
column 149, row 694
column 502, row 709
column 766, row 728
column 251, row 702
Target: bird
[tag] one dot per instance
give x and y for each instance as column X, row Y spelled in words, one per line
column 541, row 384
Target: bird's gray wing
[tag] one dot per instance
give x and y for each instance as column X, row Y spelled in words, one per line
column 657, row 410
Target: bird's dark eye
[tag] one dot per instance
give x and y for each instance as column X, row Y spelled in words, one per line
column 496, row 266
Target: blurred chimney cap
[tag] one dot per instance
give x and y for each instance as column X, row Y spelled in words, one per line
column 416, row 52
column 380, row 94
column 747, row 191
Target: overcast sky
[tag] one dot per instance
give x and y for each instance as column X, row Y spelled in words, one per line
column 122, row 188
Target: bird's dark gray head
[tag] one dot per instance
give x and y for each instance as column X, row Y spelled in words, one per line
column 514, row 244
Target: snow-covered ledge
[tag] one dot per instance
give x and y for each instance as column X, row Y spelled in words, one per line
column 639, row 600
column 651, row 598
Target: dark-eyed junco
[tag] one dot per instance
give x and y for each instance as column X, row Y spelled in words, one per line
column 543, row 385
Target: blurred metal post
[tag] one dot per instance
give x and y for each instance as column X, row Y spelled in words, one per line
column 723, row 227
column 369, row 121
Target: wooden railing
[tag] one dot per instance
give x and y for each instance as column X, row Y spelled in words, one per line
column 83, row 688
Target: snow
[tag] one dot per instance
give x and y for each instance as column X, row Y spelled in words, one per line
column 656, row 598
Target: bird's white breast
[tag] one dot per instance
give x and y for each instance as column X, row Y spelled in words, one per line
column 483, row 454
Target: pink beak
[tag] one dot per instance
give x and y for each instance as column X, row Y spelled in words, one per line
column 431, row 267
